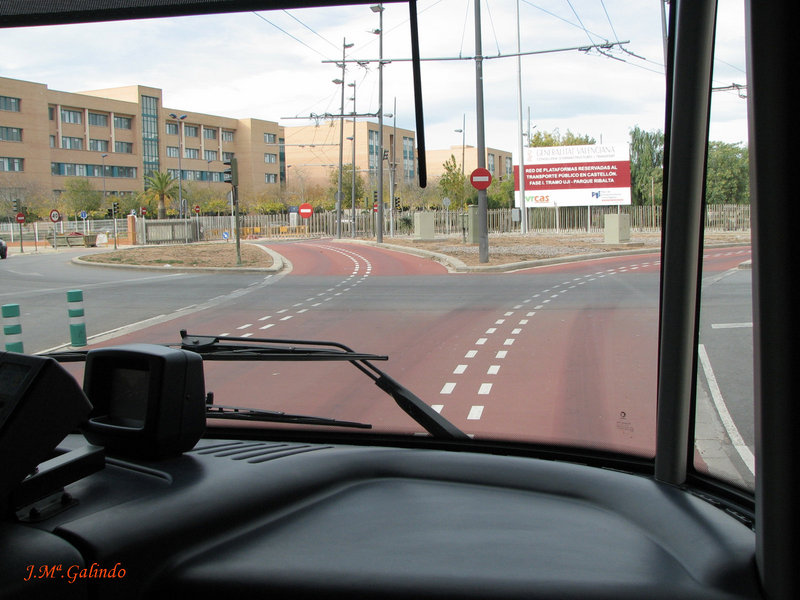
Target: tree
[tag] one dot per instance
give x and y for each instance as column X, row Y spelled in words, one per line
column 727, row 174
column 647, row 163
column 453, row 182
column 161, row 187
column 347, row 185
column 554, row 138
column 79, row 195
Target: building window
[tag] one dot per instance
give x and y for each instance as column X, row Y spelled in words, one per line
column 97, row 119
column 52, row 141
column 172, row 128
column 210, row 154
column 173, row 152
column 269, row 138
column 123, row 122
column 191, row 153
column 190, row 130
column 10, row 134
column 71, row 143
column 123, row 147
column 490, row 164
column 509, row 166
column 71, row 116
column 372, row 143
column 9, row 103
column 51, row 113
column 270, row 158
column 226, row 156
column 271, row 178
column 408, row 158
column 11, row 164
column 209, row 134
column 80, row 170
column 98, row 145
column 227, row 136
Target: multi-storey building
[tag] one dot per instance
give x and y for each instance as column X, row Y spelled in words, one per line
column 121, row 135
column 312, row 152
column 498, row 162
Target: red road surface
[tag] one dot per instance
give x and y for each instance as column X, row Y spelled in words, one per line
column 550, row 365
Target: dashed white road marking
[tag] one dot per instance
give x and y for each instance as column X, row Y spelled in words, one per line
column 475, row 413
column 485, row 389
column 459, row 369
column 448, row 388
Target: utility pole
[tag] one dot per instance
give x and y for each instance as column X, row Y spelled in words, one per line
column 523, row 206
column 483, row 220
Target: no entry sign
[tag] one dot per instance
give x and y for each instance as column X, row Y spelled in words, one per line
column 480, row 178
column 306, row 210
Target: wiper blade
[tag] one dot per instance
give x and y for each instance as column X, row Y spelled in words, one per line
column 268, row 349
column 215, row 411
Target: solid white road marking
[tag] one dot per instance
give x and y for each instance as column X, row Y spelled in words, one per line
column 727, row 421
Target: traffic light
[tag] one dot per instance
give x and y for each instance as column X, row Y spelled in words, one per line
column 375, row 195
column 15, row 206
column 115, row 207
column 231, row 174
column 396, row 203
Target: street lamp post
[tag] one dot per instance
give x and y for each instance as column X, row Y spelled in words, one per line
column 463, row 132
column 180, row 168
column 113, row 216
column 353, row 174
column 378, row 8
column 345, row 46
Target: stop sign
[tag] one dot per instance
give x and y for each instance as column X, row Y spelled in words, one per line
column 20, row 218
column 480, row 178
column 306, row 210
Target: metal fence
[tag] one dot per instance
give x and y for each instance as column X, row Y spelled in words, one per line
column 728, row 217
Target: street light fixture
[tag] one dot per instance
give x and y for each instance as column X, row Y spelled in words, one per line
column 180, row 168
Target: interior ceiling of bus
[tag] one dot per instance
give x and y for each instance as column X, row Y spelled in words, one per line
column 18, row 13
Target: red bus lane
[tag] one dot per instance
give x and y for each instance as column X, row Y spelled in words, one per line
column 569, row 358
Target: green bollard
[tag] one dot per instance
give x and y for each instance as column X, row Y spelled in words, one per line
column 77, row 323
column 12, row 328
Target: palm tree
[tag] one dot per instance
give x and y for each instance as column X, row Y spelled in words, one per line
column 162, row 187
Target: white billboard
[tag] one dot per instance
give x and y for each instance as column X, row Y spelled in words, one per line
column 594, row 175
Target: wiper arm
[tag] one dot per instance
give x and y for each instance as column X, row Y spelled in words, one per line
column 216, row 411
column 266, row 349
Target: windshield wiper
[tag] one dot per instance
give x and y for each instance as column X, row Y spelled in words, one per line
column 216, row 411
column 270, row 349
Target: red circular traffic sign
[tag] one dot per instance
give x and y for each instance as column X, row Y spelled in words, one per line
column 197, row 208
column 480, row 178
column 55, row 216
column 20, row 218
column 306, row 210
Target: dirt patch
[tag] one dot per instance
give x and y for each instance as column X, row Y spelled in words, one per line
column 186, row 255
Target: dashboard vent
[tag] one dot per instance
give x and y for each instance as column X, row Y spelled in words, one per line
column 255, row 452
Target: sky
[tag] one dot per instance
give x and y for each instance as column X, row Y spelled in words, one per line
column 272, row 66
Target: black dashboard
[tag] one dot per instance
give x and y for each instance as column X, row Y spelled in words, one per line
column 284, row 519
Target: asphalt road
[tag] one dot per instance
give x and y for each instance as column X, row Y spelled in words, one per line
column 561, row 354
